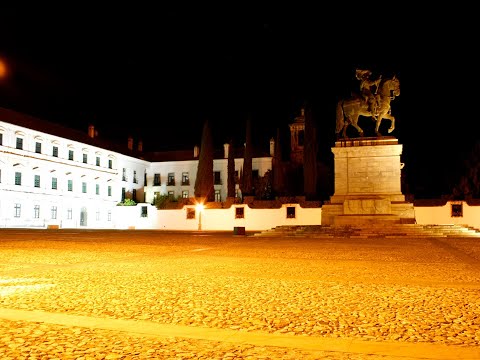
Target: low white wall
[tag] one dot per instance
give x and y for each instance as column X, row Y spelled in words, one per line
column 175, row 220
column 443, row 214
column 130, row 217
column 224, row 219
column 126, row 217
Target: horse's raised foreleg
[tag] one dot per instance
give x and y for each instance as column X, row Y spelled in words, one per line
column 385, row 116
column 392, row 124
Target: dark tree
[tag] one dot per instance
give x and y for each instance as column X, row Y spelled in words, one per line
column 263, row 187
column 204, row 179
column 247, row 181
column 231, row 171
column 310, row 156
column 278, row 182
column 469, row 184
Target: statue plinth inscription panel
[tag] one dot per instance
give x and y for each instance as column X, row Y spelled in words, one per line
column 367, row 181
column 367, row 206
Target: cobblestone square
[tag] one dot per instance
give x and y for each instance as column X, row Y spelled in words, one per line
column 138, row 294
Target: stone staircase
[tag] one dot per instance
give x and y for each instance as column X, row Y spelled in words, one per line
column 371, row 231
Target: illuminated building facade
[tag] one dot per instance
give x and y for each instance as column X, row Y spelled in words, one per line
column 53, row 176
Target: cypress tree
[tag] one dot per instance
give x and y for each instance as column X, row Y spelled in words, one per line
column 231, row 171
column 277, row 166
column 310, row 157
column 204, row 180
column 247, row 188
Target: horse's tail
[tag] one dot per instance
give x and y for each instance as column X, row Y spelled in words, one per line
column 340, row 117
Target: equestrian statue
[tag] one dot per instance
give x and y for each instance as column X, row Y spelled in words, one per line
column 373, row 101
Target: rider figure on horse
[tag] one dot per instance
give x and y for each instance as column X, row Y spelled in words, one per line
column 366, row 84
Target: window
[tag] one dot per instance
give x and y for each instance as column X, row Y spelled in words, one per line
column 156, row 179
column 109, row 215
column 145, row 178
column 457, row 210
column 135, row 177
column 84, row 187
column 97, row 215
column 110, row 163
column 85, row 158
column 18, row 178
column 301, row 137
column 97, row 189
column 239, row 213
column 171, row 179
column 70, row 154
column 216, row 178
column 55, row 151
column 18, row 209
column 218, row 197
column 97, row 161
column 190, row 213
column 36, row 181
column 185, row 179
column 171, row 195
column 69, row 214
column 109, row 190
column 144, row 212
column 124, row 174
column 38, row 147
column 36, row 211
column 1, row 139
column 185, row 194
column 54, row 183
column 290, row 212
column 134, row 195
column 70, row 185
column 53, row 212
column 19, row 143
column 123, row 194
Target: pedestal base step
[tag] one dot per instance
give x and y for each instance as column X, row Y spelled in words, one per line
column 369, row 219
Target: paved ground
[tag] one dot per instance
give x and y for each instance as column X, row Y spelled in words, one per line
column 168, row 295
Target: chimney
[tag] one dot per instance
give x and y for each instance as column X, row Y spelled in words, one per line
column 91, row 131
column 195, row 151
column 130, row 143
column 140, row 145
column 226, row 147
column 272, row 147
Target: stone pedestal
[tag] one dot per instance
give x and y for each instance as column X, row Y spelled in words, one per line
column 367, row 184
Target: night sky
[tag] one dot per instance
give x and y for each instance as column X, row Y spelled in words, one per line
column 158, row 73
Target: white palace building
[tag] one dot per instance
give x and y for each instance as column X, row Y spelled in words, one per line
column 53, row 176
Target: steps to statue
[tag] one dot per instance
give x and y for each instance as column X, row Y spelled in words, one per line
column 371, row 231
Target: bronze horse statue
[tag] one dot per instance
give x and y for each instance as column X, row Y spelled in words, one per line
column 349, row 110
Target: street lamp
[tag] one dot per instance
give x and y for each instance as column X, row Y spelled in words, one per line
column 200, row 208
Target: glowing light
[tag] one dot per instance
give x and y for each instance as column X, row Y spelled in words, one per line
column 200, row 208
column 3, row 68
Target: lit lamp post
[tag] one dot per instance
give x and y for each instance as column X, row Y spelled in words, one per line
column 199, row 210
